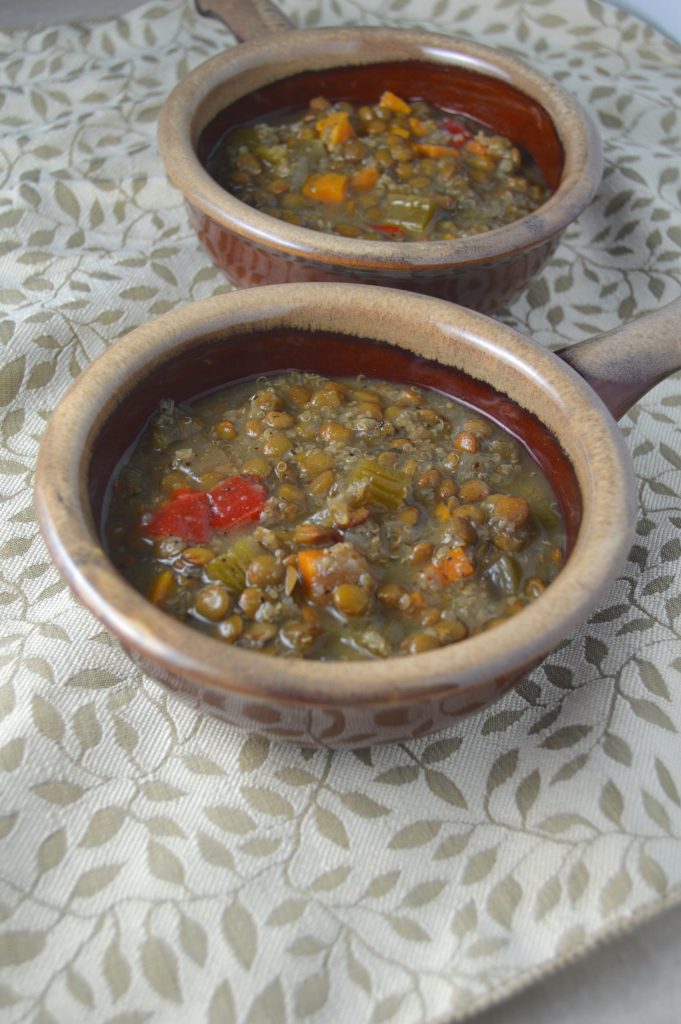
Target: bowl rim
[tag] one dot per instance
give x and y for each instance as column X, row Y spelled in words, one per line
column 603, row 540
column 255, row 64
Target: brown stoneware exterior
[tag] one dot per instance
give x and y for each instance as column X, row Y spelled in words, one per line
column 346, row 328
column 277, row 69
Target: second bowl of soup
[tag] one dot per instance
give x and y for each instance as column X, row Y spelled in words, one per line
column 379, row 156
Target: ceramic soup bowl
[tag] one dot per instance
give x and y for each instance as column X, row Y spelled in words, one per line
column 278, row 68
column 348, row 329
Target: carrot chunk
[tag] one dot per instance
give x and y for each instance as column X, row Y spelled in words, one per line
column 308, row 559
column 456, row 565
column 395, row 103
column 429, row 149
column 336, row 128
column 329, row 188
column 418, row 127
column 364, row 177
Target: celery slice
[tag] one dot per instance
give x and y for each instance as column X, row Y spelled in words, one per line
column 230, row 566
column 387, row 486
column 413, row 213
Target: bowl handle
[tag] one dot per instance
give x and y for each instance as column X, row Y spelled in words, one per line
column 622, row 365
column 247, row 19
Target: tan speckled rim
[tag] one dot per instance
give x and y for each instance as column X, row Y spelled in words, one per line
column 432, row 328
column 223, row 79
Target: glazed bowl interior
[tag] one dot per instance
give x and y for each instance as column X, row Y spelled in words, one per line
column 337, row 329
column 275, row 74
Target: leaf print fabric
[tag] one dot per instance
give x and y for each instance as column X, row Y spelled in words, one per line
column 155, row 863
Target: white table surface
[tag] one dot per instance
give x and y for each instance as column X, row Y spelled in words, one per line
column 634, row 979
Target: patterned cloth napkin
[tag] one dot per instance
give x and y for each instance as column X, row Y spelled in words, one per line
column 156, row 864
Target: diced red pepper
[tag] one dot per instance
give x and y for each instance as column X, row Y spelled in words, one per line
column 388, row 229
column 238, row 500
column 460, row 134
column 195, row 515
column 187, row 514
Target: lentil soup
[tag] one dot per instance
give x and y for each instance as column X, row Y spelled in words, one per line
column 340, row 518
column 405, row 171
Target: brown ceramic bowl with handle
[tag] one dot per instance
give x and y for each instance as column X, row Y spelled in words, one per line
column 347, row 329
column 277, row 68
